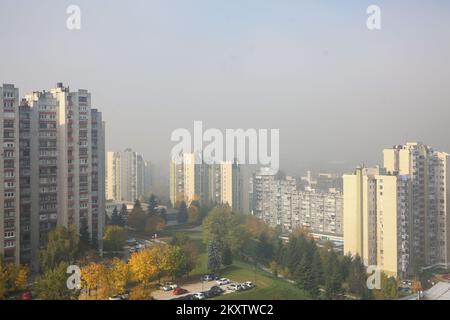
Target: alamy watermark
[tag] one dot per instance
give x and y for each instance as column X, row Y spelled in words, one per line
column 374, row 20
column 73, row 21
column 374, row 279
column 212, row 146
column 74, row 280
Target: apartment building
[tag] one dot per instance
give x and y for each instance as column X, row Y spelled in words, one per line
column 9, row 174
column 60, row 162
column 397, row 217
column 192, row 179
column 126, row 176
column 280, row 202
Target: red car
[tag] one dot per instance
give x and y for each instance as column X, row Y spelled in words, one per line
column 26, row 296
column 178, row 291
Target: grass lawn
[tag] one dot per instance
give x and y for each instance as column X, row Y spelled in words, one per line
column 267, row 286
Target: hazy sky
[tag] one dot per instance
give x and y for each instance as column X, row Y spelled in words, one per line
column 338, row 92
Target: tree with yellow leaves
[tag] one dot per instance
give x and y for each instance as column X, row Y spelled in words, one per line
column 91, row 276
column 21, row 278
column 142, row 267
column 120, row 275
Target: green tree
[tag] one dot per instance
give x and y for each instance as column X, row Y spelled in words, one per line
column 52, row 285
column 116, row 219
column 123, row 214
column 182, row 215
column 333, row 279
column 317, row 267
column 214, row 251
column 152, row 204
column 114, row 238
column 304, row 275
column 137, row 218
column 137, row 204
column 357, row 279
column 221, row 223
column 62, row 246
column 227, row 256
column 389, row 287
column 264, row 248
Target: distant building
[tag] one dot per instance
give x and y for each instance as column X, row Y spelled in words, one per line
column 279, row 202
column 207, row 183
column 127, row 176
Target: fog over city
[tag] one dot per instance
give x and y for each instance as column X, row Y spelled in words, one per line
column 338, row 92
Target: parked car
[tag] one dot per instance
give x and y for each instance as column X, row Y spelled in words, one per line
column 178, row 291
column 235, row 287
column 26, row 296
column 216, row 289
column 223, row 281
column 207, row 277
column 199, row 296
column 168, row 286
column 248, row 285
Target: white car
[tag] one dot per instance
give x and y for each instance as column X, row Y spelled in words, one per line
column 199, row 296
column 235, row 287
column 169, row 286
column 223, row 281
column 248, row 285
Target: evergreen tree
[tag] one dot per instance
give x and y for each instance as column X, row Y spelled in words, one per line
column 317, row 267
column 214, row 255
column 304, row 275
column 152, row 204
column 182, row 216
column 115, row 218
column 389, row 287
column 333, row 280
column 227, row 256
column 137, row 204
column 123, row 215
column 357, row 279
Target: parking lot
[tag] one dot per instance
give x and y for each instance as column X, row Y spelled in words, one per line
column 191, row 288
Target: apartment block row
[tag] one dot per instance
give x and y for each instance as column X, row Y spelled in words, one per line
column 52, row 168
column 279, row 201
column 128, row 176
column 398, row 216
column 192, row 179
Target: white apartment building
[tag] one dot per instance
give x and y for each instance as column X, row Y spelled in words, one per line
column 280, row 202
column 126, row 176
column 207, row 183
